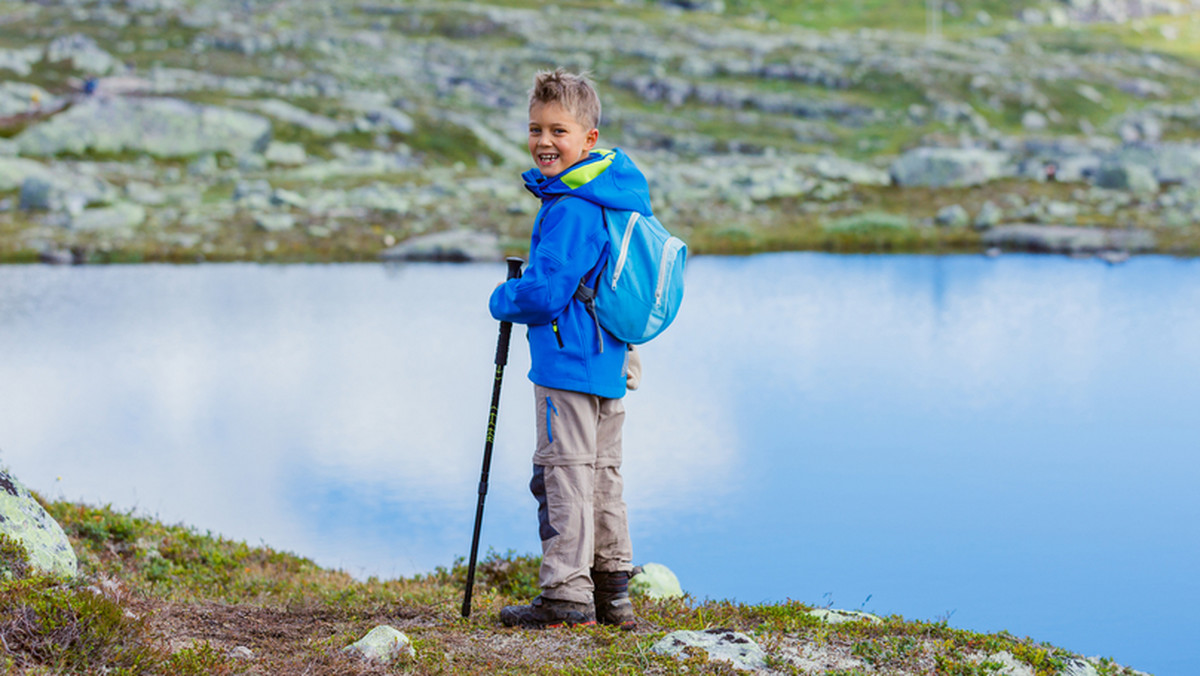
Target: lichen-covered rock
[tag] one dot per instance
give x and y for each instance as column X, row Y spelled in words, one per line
column 655, row 581
column 23, row 519
column 161, row 127
column 720, row 644
column 382, row 644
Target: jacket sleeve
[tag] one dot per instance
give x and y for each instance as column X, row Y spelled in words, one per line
column 569, row 247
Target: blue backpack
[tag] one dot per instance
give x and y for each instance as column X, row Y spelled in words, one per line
column 638, row 287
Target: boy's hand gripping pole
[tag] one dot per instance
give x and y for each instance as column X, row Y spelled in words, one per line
column 514, row 271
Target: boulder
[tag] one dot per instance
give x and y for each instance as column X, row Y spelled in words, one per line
column 286, row 112
column 655, row 581
column 453, row 246
column 948, row 167
column 121, row 217
column 36, row 194
column 24, row 520
column 1066, row 239
column 382, row 644
column 161, row 127
column 82, row 52
column 1126, row 176
column 953, row 216
column 720, row 644
column 989, row 216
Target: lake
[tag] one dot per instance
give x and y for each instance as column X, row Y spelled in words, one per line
column 1006, row 443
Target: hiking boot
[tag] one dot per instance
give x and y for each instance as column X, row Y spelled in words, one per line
column 613, row 606
column 544, row 613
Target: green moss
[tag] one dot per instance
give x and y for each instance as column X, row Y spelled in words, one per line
column 14, row 560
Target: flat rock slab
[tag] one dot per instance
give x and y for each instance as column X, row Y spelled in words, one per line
column 161, row 127
column 1067, row 239
column 458, row 246
column 720, row 644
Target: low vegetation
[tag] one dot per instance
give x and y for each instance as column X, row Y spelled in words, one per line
column 159, row 599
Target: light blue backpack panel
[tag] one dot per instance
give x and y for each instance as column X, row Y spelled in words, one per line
column 640, row 289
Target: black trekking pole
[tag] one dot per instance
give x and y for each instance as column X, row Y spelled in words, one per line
column 514, row 271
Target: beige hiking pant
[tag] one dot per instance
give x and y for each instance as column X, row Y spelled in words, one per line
column 577, row 483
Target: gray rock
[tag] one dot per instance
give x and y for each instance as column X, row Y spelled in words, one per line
column 1032, row 120
column 838, row 616
column 14, row 171
column 155, row 126
column 838, row 168
column 953, row 216
column 20, row 61
column 274, row 222
column 1131, row 177
column 948, row 167
column 989, row 216
column 452, row 245
column 82, row 52
column 287, row 154
column 27, row 522
column 656, row 581
column 36, row 195
column 382, row 644
column 282, row 110
column 18, row 97
column 118, row 217
column 721, row 644
column 1066, row 239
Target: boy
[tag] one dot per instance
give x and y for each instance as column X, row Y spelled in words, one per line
column 580, row 372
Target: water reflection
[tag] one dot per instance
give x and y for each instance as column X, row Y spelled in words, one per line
column 1009, row 441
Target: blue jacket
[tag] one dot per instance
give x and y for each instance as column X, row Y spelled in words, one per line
column 569, row 239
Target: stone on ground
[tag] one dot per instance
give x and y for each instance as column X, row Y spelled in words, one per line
column 382, row 644
column 720, row 644
column 452, row 245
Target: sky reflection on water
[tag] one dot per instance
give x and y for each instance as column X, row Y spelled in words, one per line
column 1010, row 443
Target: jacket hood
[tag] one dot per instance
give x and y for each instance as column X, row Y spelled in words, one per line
column 607, row 178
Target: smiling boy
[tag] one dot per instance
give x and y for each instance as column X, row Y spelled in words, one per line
column 580, row 372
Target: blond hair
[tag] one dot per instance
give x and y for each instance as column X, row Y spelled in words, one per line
column 573, row 91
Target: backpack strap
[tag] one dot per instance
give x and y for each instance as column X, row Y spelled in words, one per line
column 586, row 293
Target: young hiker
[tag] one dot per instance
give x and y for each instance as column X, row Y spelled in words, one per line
column 580, row 372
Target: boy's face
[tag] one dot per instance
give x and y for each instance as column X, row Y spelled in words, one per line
column 556, row 139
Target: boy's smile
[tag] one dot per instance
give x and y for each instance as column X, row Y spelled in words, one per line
column 556, row 139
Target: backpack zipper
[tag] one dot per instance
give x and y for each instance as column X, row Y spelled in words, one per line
column 670, row 252
column 624, row 253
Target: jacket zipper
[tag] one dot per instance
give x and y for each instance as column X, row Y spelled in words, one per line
column 557, row 335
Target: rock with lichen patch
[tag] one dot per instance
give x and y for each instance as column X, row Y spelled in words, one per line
column 23, row 519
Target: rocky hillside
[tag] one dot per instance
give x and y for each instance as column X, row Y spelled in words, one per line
column 298, row 130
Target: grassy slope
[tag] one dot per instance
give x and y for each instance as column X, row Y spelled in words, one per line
column 154, row 599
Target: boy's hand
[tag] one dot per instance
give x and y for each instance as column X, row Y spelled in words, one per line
column 633, row 368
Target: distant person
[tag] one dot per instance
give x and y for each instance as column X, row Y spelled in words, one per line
column 580, row 372
column 89, row 86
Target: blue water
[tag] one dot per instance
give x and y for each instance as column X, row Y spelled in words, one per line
column 1008, row 443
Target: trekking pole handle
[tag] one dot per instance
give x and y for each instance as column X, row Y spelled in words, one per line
column 514, row 272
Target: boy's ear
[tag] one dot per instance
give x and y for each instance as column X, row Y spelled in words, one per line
column 592, row 137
